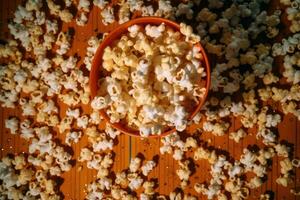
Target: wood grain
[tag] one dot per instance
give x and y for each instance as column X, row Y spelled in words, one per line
column 127, row 147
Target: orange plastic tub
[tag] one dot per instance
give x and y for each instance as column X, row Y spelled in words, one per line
column 116, row 34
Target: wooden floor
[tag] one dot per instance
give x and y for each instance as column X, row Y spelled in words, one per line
column 74, row 183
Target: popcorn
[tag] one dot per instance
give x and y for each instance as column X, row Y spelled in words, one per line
column 73, row 136
column 135, row 181
column 82, row 122
column 68, row 64
column 148, row 167
column 152, row 108
column 286, row 166
column 93, row 44
column 217, row 129
column 107, row 161
column 248, row 159
column 292, row 74
column 273, row 120
column 107, row 15
column 254, row 182
column 100, row 102
column 282, row 150
column 65, row 124
column 185, row 9
column 238, row 135
column 155, row 31
column 283, row 180
column 114, row 98
column 111, row 132
column 178, row 154
column 135, row 164
column 63, row 41
column 33, row 5
column 64, row 14
column 103, row 145
column 73, row 113
column 70, row 98
column 95, row 163
column 82, row 19
column 184, row 172
column 165, row 9
column 26, row 131
column 84, row 5
column 85, row 155
column 23, row 180
column 100, row 3
column 12, row 124
column 95, row 118
column 149, row 187
column 121, row 179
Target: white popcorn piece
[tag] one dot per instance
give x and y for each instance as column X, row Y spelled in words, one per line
column 27, row 131
column 286, row 166
column 292, row 74
column 124, row 13
column 121, row 179
column 155, row 31
column 103, row 145
column 111, row 132
column 100, row 102
column 107, row 161
column 135, row 164
column 82, row 122
column 282, row 150
column 55, row 9
column 190, row 143
column 82, row 19
column 65, row 124
column 12, row 124
column 165, row 9
column 148, row 167
column 107, row 15
column 149, row 187
column 238, row 135
column 93, row 44
column 255, row 182
column 63, row 41
column 100, row 3
column 270, row 78
column 273, row 120
column 217, row 129
column 184, row 172
column 68, row 64
column 73, row 136
column 135, row 181
column 85, row 155
column 283, row 180
column 75, row 113
column 178, row 154
column 95, row 118
column 84, row 5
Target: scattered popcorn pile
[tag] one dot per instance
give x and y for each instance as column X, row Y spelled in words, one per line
column 20, row 179
column 38, row 74
column 154, row 73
